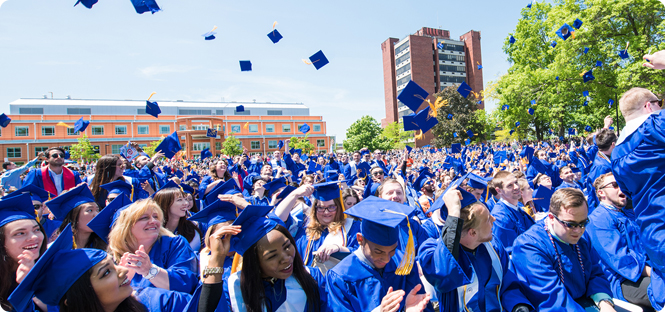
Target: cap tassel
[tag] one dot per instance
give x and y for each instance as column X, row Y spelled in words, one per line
column 74, row 241
column 131, row 196
column 37, row 214
column 151, row 94
column 236, row 266
column 406, row 264
column 341, row 200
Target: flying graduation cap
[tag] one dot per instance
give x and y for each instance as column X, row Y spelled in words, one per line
column 240, row 108
column 86, row 3
column 505, row 107
column 469, row 133
column 553, row 44
column 81, row 125
column 449, row 117
column 245, row 66
column 425, row 121
column 530, row 111
column 599, row 64
column 210, row 35
column 412, row 95
column 318, row 59
column 611, row 102
column 4, row 120
column 170, row 145
column 512, row 39
column 464, row 89
column 588, row 76
column 274, row 35
column 587, row 128
column 479, row 66
column 533, row 102
column 304, row 128
column 565, row 32
column 206, row 153
column 624, row 54
column 585, row 93
column 142, row 6
column 152, row 108
column 577, row 23
column 409, row 122
column 586, row 50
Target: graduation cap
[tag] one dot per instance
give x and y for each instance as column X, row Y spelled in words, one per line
column 210, row 35
column 229, row 187
column 275, row 36
column 588, row 129
column 280, row 144
column 449, row 117
column 285, row 192
column 467, row 141
column 571, row 131
column 480, row 67
column 327, row 190
column 500, row 157
column 102, row 223
column 512, row 39
column 577, row 23
column 421, row 180
column 542, row 196
column 409, row 122
column 512, row 131
column 412, row 95
column 575, row 170
column 454, row 134
column 586, row 103
column 86, row 3
column 152, row 108
column 624, row 54
column 505, row 107
column 455, row 148
column 142, row 6
column 464, row 89
column 552, row 155
column 55, row 272
column 188, row 189
column 586, row 50
column 557, row 78
column 245, row 66
column 585, row 93
column 4, row 120
column 439, row 45
column 599, row 64
column 553, row 44
column 533, row 102
column 469, row 133
column 81, row 125
column 170, row 145
column 318, row 59
column 530, row 111
column 408, row 148
column 16, row 208
column 254, row 225
column 467, row 198
column 528, row 5
column 215, row 213
column 120, row 187
column 565, row 31
column 36, row 193
column 475, row 181
column 274, row 185
column 611, row 102
column 425, row 121
column 206, row 153
column 65, row 202
column 304, row 128
column 588, row 76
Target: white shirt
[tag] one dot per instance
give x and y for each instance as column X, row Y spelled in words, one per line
column 57, row 180
column 632, row 125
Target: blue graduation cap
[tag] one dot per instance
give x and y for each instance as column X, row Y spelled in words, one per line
column 577, row 23
column 585, row 93
column 599, row 64
column 467, row 198
column 539, row 166
column 464, row 89
column 552, row 155
column 215, row 213
column 65, row 202
column 553, row 44
column 86, row 3
column 240, row 108
column 469, row 133
column 245, row 66
column 254, row 226
column 280, row 144
column 557, row 78
column 55, row 272
column 454, row 134
column 102, row 223
column 285, row 192
column 304, row 128
column 380, row 219
column 586, row 103
column 533, row 102
column 206, row 153
column 408, row 148
column 16, row 208
column 4, row 120
column 571, row 131
column 586, row 50
column 467, row 141
column 542, row 196
column 187, row 189
column 505, row 107
column 512, row 39
column 327, row 190
column 610, row 102
column 565, row 31
column 528, row 5
column 588, row 129
column 425, row 121
column 229, row 187
column 480, row 67
column 364, row 169
column 170, row 145
column 439, row 45
column 412, row 95
column 527, row 152
column 624, row 54
column 475, row 181
column 210, row 35
column 530, row 111
column 409, row 122
column 455, row 148
column 275, row 36
column 588, row 76
column 142, row 6
column 152, row 108
column 81, row 125
column 274, row 185
column 421, row 180
column 500, row 157
column 36, row 193
column 211, row 133
column 120, row 187
column 449, row 117
column 318, row 59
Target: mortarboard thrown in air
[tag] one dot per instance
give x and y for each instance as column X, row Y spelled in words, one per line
column 170, row 145
column 86, row 3
column 505, row 107
column 318, row 59
column 571, row 131
column 588, row 129
column 624, row 54
column 599, row 64
column 152, row 108
column 304, row 128
column 229, row 187
column 412, row 95
column 533, row 102
column 454, row 134
column 542, row 196
column 16, row 208
column 585, row 93
column 449, row 117
column 500, row 157
column 456, row 148
column 425, row 121
column 586, row 50
column 55, row 272
column 240, row 108
column 469, row 133
column 588, row 76
column 211, row 133
column 66, row 201
column 528, row 5
column 511, row 40
column 206, row 153
column 36, row 193
column 610, row 102
column 254, row 225
column 120, row 187
column 586, row 103
column 4, row 120
column 280, row 144
column 102, row 223
column 577, row 23
column 530, row 111
column 409, row 122
column 275, row 36
column 142, row 6
column 210, row 35
column 464, row 89
column 245, row 66
column 215, row 213
column 408, row 148
column 553, row 44
column 81, row 125
column 565, row 31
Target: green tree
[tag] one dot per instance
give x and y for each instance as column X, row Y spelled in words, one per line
column 83, row 150
column 463, row 119
column 302, row 143
column 150, row 148
column 551, row 76
column 395, row 133
column 366, row 132
column 231, row 145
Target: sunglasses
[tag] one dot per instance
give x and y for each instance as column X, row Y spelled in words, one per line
column 613, row 184
column 37, row 206
column 572, row 225
column 377, row 173
column 331, row 208
column 659, row 102
column 56, row 155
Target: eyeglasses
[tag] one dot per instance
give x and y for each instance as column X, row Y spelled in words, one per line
column 572, row 225
column 377, row 173
column 613, row 184
column 37, row 206
column 331, row 208
column 56, row 155
column 659, row 102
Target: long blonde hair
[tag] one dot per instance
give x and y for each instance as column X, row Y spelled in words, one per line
column 314, row 228
column 121, row 239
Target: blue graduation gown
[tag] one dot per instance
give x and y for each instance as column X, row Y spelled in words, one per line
column 446, row 275
column 162, row 300
column 616, row 238
column 34, row 177
column 509, row 224
column 174, row 255
column 638, row 164
column 207, row 180
column 433, row 229
column 352, row 285
column 534, row 261
column 307, row 247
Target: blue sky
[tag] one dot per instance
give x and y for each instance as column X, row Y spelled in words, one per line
column 111, row 52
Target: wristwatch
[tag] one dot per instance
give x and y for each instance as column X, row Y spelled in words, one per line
column 154, row 270
column 209, row 271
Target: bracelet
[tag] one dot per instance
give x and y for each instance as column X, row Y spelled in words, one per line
column 215, row 270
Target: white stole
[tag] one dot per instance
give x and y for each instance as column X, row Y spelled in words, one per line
column 340, row 237
column 467, row 292
column 296, row 299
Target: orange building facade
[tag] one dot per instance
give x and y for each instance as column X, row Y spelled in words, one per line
column 34, row 129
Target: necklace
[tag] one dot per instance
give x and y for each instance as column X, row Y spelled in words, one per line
column 558, row 256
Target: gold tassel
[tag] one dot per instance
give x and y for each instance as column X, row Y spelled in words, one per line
column 37, row 214
column 236, row 266
column 405, row 266
column 131, row 196
column 74, row 241
column 341, row 200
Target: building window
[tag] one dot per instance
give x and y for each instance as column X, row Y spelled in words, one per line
column 253, row 128
column 195, row 112
column 120, row 130
column 403, row 80
column 270, row 128
column 402, row 69
column 219, row 112
column 218, row 145
column 274, row 113
column 403, row 58
column 452, row 68
column 164, row 129
column 320, row 143
column 97, row 130
column 48, row 130
column 255, row 145
column 78, row 111
column 235, row 129
column 244, row 113
column 13, row 152
column 286, row 128
column 200, row 146
column 39, row 149
column 70, row 131
column 200, row 127
column 31, row 110
column 21, row 131
column 402, row 47
column 143, row 130
column 317, row 128
column 272, row 144
column 95, row 149
column 115, row 148
column 140, row 111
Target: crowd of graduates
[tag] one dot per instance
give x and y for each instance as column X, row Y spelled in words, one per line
column 568, row 224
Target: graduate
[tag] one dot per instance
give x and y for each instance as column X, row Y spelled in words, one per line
column 466, row 265
column 372, row 277
column 555, row 262
column 46, row 176
column 218, row 173
column 39, row 197
column 175, row 207
column 511, row 219
column 120, row 187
